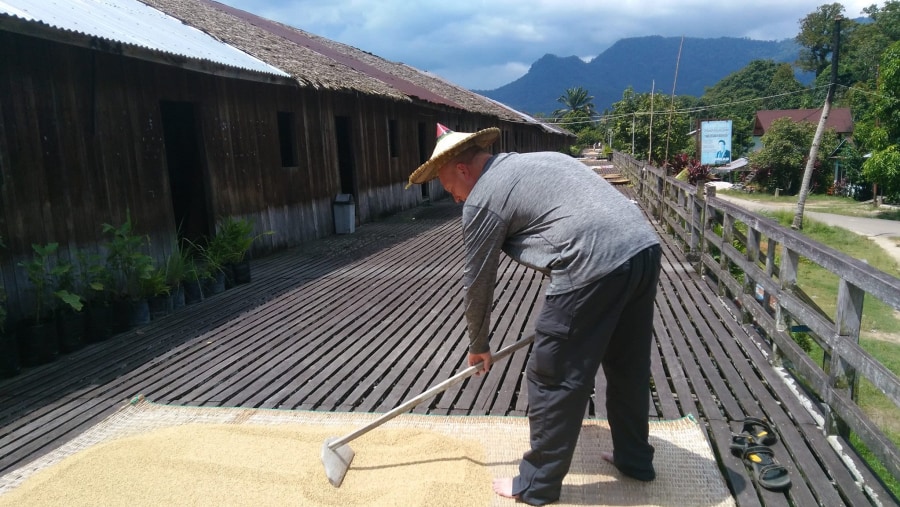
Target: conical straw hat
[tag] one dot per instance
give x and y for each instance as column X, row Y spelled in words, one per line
column 450, row 144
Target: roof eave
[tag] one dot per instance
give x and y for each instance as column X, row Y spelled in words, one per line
column 43, row 31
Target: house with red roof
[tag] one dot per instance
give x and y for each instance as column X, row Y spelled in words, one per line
column 839, row 119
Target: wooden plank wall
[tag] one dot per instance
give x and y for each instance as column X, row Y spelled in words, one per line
column 82, row 144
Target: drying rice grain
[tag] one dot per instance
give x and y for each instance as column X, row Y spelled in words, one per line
column 262, row 465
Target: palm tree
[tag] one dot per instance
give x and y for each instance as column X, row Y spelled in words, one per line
column 575, row 100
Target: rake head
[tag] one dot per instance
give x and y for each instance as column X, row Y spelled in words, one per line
column 336, row 461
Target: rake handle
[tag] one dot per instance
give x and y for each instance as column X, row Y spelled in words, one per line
column 431, row 392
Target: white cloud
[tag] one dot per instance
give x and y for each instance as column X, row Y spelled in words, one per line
column 484, row 45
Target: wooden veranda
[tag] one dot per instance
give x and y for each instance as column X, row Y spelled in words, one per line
column 364, row 321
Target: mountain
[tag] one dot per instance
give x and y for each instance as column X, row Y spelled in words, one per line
column 642, row 63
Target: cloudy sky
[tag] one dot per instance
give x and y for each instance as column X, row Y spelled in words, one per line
column 486, row 44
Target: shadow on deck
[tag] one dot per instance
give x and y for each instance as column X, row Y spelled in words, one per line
column 362, row 322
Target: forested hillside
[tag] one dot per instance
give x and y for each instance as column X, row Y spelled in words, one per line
column 641, row 63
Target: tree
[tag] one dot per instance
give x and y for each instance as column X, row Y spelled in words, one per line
column 887, row 105
column 575, row 99
column 863, row 54
column 780, row 161
column 884, row 167
column 762, row 84
column 630, row 124
column 816, row 37
column 783, row 90
column 886, row 19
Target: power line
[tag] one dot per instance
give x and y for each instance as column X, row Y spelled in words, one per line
column 686, row 110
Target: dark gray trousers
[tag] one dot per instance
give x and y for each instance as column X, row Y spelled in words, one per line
column 609, row 322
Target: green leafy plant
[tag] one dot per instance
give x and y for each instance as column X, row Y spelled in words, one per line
column 195, row 271
column 65, row 287
column 44, row 277
column 95, row 279
column 176, row 267
column 234, row 239
column 205, row 260
column 125, row 256
column 154, row 284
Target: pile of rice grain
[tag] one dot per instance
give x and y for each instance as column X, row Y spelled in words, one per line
column 262, row 465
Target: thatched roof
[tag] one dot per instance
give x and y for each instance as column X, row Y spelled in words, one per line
column 322, row 63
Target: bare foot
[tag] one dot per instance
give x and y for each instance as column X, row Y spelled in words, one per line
column 503, row 487
column 608, row 456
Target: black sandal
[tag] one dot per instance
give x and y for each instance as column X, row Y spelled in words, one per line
column 755, row 432
column 767, row 472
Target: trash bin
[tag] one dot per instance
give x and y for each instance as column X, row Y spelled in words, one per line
column 344, row 214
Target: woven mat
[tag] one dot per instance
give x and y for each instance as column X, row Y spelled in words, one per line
column 686, row 469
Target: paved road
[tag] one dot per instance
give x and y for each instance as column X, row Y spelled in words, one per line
column 886, row 233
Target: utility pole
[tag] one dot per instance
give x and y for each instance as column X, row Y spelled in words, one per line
column 632, row 134
column 672, row 105
column 650, row 149
column 820, row 129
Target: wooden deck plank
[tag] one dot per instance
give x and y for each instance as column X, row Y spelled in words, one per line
column 518, row 284
column 281, row 342
column 787, row 412
column 746, row 386
column 732, row 392
column 668, row 408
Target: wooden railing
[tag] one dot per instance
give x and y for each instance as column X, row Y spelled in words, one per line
column 754, row 262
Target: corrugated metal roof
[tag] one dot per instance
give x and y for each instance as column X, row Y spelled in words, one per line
column 132, row 22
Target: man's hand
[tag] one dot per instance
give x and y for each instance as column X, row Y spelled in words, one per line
column 484, row 358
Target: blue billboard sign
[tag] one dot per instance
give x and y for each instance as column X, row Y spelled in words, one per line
column 715, row 142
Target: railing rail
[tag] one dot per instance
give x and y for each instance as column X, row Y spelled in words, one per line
column 753, row 261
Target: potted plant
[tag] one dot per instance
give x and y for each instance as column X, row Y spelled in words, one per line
column 211, row 270
column 96, row 281
column 38, row 339
column 70, row 317
column 206, row 266
column 158, row 293
column 192, row 283
column 131, row 267
column 607, row 153
column 176, row 268
column 236, row 237
column 9, row 352
column 213, row 257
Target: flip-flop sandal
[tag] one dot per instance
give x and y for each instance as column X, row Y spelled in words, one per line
column 767, row 472
column 754, row 432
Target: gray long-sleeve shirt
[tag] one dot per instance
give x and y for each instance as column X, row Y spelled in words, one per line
column 551, row 213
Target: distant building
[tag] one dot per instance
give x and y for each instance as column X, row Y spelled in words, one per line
column 839, row 119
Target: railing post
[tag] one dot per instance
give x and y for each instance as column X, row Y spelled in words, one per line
column 641, row 174
column 771, row 247
column 697, row 202
column 727, row 239
column 660, row 192
column 706, row 226
column 787, row 276
column 841, row 376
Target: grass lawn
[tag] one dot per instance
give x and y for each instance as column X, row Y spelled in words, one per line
column 825, row 204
